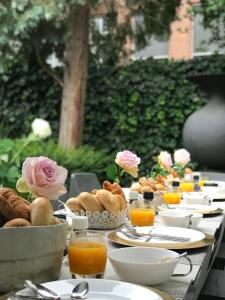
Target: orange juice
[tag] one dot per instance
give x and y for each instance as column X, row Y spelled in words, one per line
column 142, row 216
column 187, row 186
column 172, row 198
column 87, row 258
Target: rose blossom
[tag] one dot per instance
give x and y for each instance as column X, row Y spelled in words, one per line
column 44, row 177
column 41, row 128
column 165, row 160
column 182, row 157
column 128, row 161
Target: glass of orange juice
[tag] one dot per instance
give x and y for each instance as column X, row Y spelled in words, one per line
column 172, row 198
column 142, row 213
column 87, row 253
column 187, row 186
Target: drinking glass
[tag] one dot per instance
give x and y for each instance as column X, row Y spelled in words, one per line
column 187, row 186
column 142, row 213
column 172, row 197
column 87, row 253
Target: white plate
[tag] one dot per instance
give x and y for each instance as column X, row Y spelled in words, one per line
column 202, row 209
column 194, row 235
column 101, row 289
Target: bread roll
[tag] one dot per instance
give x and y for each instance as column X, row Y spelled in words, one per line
column 121, row 201
column 159, row 187
column 136, row 187
column 94, row 191
column 12, row 206
column 146, row 188
column 18, row 222
column 41, row 212
column 90, row 202
column 55, row 221
column 74, row 204
column 109, row 202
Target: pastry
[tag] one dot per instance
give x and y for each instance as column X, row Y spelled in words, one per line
column 12, row 206
column 146, row 188
column 136, row 187
column 18, row 222
column 55, row 221
column 74, row 204
column 121, row 201
column 109, row 202
column 90, row 202
column 114, row 188
column 41, row 212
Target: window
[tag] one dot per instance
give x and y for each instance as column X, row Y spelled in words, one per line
column 157, row 47
column 202, row 44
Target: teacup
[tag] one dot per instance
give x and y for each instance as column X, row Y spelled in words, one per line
column 196, row 198
column 181, row 218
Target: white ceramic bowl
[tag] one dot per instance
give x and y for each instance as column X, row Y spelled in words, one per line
column 180, row 218
column 196, row 198
column 139, row 264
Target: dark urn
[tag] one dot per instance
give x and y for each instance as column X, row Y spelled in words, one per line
column 204, row 130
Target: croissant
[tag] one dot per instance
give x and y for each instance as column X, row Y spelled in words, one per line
column 114, row 188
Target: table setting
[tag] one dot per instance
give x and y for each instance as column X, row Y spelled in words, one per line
column 155, row 238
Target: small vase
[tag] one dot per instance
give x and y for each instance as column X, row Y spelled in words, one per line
column 204, row 130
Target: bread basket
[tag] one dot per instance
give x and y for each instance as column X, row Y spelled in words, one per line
column 104, row 219
column 33, row 253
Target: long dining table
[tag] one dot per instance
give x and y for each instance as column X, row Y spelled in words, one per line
column 178, row 288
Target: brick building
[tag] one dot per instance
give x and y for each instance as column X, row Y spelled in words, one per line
column 188, row 37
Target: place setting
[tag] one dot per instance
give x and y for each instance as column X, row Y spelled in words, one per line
column 72, row 289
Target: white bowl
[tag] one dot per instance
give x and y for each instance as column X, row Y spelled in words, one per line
column 180, row 218
column 196, row 198
column 139, row 264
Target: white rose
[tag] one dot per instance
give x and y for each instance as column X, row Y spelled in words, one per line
column 182, row 157
column 41, row 128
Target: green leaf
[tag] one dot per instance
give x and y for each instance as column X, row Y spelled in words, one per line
column 6, row 145
column 179, row 169
column 112, row 171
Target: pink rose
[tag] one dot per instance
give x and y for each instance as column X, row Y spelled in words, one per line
column 182, row 157
column 128, row 161
column 44, row 177
column 165, row 160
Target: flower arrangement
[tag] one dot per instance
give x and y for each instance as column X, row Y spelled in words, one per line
column 42, row 177
column 166, row 166
column 125, row 162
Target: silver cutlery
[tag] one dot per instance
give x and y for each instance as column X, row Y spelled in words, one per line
column 175, row 238
column 40, row 290
column 80, row 290
column 14, row 296
column 169, row 259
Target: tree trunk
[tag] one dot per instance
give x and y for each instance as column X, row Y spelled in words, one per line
column 75, row 77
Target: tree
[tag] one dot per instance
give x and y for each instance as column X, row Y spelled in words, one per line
column 34, row 29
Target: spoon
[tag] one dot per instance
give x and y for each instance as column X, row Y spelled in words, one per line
column 40, row 290
column 80, row 291
column 169, row 259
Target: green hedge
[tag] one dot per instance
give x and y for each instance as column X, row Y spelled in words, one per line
column 141, row 107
